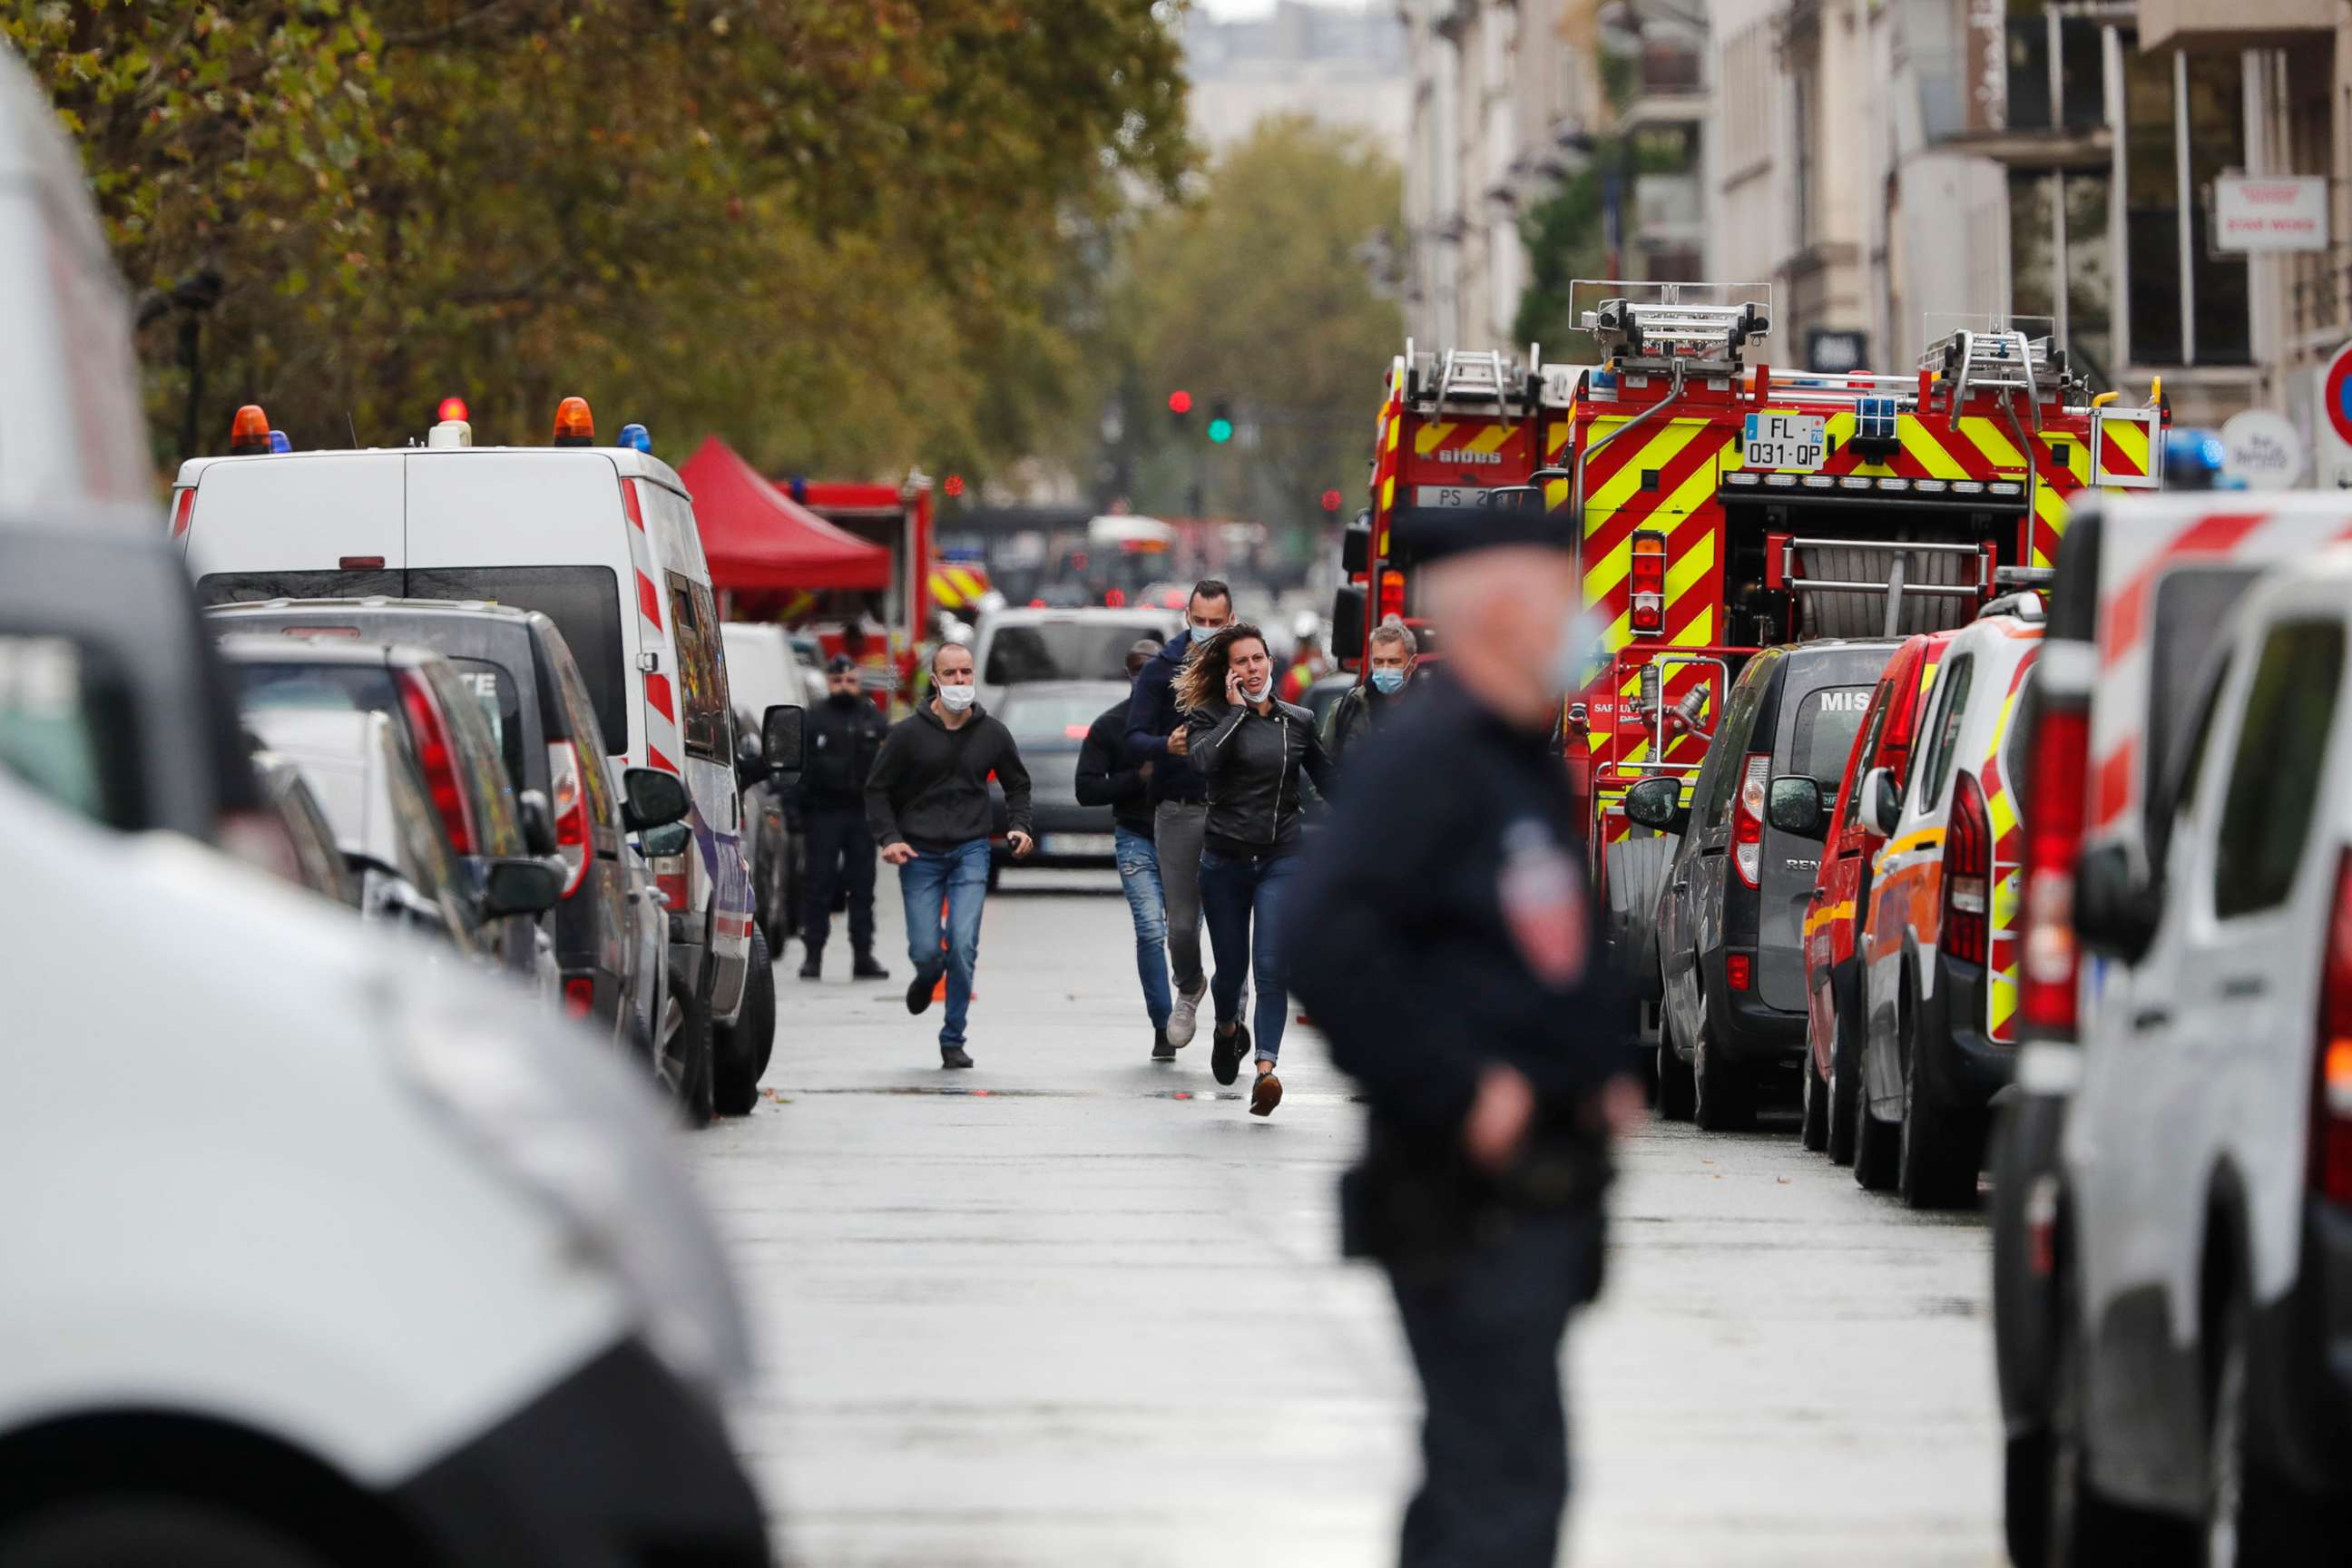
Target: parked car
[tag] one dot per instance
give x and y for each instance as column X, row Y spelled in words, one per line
column 603, row 541
column 1049, row 720
column 318, row 859
column 1731, row 921
column 1833, row 1017
column 1017, row 646
column 521, row 675
column 464, row 774
column 390, row 1263
column 1938, row 942
column 764, row 671
column 2144, row 591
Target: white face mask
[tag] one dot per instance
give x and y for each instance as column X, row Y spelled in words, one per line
column 1257, row 693
column 959, row 697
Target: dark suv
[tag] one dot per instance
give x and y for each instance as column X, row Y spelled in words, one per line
column 1730, row 944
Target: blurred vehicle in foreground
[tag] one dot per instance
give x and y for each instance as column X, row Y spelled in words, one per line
column 1049, row 720
column 334, row 1258
column 523, row 677
column 764, row 671
column 464, row 774
column 1731, row 921
column 601, row 539
column 1017, row 646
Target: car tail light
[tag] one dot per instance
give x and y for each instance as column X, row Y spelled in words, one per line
column 438, row 763
column 570, row 794
column 1968, row 873
column 1392, row 596
column 670, row 879
column 2331, row 1088
column 2046, row 1001
column 579, row 996
column 181, row 509
column 1748, row 817
column 1738, row 969
column 1648, row 582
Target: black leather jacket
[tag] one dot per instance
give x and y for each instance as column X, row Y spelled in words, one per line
column 1257, row 766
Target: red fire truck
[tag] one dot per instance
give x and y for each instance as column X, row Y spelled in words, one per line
column 1721, row 506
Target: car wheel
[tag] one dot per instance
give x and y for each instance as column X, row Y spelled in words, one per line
column 745, row 1046
column 2252, row 1514
column 1814, row 1123
column 2025, row 1496
column 2083, row 1528
column 1723, row 1097
column 1676, row 1088
column 687, row 1061
column 1875, row 1143
column 136, row 1532
column 1845, row 1081
column 1936, row 1159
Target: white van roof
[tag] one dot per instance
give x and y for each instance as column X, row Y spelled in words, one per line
column 75, row 429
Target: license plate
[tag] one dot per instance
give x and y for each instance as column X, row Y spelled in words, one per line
column 1445, row 494
column 1102, row 845
column 1786, row 441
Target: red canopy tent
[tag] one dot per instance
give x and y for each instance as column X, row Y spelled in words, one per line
column 756, row 538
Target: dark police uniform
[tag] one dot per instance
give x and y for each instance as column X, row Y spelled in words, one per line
column 1445, row 923
column 845, row 735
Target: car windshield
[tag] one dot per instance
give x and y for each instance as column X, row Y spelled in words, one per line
column 1063, row 650
column 493, row 686
column 286, row 683
column 1823, row 738
column 1058, row 719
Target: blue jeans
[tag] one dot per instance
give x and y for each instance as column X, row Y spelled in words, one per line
column 1231, row 893
column 959, row 877
column 1139, row 874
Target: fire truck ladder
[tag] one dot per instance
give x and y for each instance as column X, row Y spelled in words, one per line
column 1714, row 335
column 1471, row 375
column 1990, row 361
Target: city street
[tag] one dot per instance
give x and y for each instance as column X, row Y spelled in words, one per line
column 1074, row 1308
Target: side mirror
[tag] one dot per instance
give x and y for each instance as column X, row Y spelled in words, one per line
column 390, row 895
column 1881, row 801
column 538, row 821
column 783, row 744
column 1348, row 622
column 1356, row 549
column 654, row 799
column 751, row 763
column 513, row 885
column 1795, row 806
column 2115, row 912
column 669, row 839
column 1657, row 804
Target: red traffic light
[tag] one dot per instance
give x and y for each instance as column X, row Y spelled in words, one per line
column 1332, row 500
column 954, row 485
column 1180, row 403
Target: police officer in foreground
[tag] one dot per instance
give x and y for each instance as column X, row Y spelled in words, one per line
column 845, row 734
column 1443, row 939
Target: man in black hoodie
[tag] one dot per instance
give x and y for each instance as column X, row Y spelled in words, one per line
column 927, row 801
column 1109, row 777
column 1180, row 797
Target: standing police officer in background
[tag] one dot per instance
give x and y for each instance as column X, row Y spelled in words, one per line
column 844, row 733
column 1443, row 939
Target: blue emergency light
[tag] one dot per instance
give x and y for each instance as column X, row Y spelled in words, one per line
column 634, row 435
column 278, row 443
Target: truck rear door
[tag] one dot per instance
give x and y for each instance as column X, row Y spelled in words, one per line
column 1822, row 709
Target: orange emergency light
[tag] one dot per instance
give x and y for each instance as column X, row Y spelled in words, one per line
column 455, row 408
column 575, row 425
column 248, row 434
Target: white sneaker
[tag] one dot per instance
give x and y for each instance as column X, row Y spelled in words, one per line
column 1185, row 1017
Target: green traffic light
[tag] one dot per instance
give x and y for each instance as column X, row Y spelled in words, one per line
column 1221, row 430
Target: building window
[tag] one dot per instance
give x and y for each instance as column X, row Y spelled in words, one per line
column 1804, row 100
column 2062, row 275
column 2215, row 124
column 2151, row 206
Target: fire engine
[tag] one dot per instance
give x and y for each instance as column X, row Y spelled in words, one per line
column 1721, row 506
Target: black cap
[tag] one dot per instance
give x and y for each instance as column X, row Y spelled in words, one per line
column 840, row 664
column 1421, row 535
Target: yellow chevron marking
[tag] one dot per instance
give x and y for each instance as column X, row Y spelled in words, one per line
column 2131, row 439
column 1926, row 451
column 1601, row 576
column 1430, row 436
column 1626, row 482
column 1824, row 913
column 1988, row 438
column 1491, row 438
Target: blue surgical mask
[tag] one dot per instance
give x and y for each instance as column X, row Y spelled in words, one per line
column 1388, row 682
column 1582, row 634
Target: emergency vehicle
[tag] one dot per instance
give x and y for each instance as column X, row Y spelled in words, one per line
column 1721, row 506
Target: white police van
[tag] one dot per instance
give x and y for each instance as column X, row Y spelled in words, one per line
column 603, row 541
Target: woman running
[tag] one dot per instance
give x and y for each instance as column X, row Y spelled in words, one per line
column 1256, row 754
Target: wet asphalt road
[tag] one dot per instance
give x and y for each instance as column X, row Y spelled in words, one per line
column 1074, row 1308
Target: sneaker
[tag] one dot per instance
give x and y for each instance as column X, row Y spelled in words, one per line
column 1164, row 1050
column 866, row 968
column 1266, row 1095
column 813, row 966
column 1184, row 1020
column 918, row 991
column 954, row 1056
column 1226, row 1056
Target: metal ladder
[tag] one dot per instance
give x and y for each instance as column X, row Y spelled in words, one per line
column 1658, row 330
column 1471, row 375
